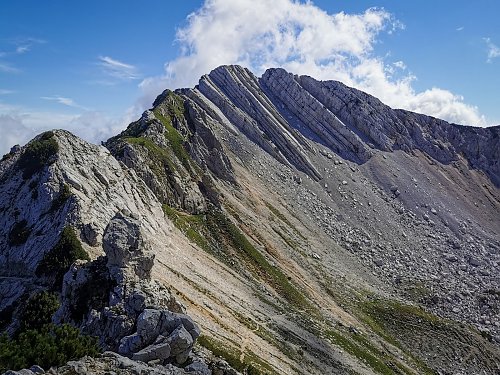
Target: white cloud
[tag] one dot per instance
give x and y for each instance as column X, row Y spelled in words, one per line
column 64, row 101
column 22, row 45
column 117, row 69
column 493, row 50
column 18, row 125
column 399, row 64
column 8, row 68
column 460, row 28
column 22, row 49
column 303, row 39
column 6, row 92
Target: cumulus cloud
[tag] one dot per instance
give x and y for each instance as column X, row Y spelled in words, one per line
column 303, row 39
column 118, row 69
column 493, row 50
column 18, row 125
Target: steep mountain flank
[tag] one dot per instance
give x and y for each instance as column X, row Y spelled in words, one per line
column 303, row 226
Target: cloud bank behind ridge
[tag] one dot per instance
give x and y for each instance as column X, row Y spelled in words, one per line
column 303, row 39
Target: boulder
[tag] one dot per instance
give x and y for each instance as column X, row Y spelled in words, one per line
column 125, row 246
column 160, row 334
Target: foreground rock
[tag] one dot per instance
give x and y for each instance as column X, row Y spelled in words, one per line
column 120, row 221
column 132, row 301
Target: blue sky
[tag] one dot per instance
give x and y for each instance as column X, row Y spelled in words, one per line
column 93, row 66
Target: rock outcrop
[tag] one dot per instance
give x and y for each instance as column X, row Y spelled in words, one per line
column 281, row 112
column 119, row 222
column 120, row 304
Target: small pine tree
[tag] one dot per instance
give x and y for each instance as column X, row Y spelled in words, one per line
column 49, row 346
column 38, row 311
column 58, row 260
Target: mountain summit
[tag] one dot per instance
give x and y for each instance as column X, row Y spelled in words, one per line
column 273, row 225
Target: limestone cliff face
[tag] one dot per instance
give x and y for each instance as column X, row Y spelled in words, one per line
column 174, row 150
column 280, row 111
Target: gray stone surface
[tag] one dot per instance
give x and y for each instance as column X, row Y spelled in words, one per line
column 160, row 333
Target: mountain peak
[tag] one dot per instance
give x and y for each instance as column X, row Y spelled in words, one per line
column 290, row 218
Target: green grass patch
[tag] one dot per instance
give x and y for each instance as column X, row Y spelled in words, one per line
column 161, row 158
column 392, row 321
column 238, row 241
column 283, row 218
column 192, row 226
column 372, row 358
column 394, row 310
column 172, row 104
column 251, row 364
column 175, row 140
column 215, row 233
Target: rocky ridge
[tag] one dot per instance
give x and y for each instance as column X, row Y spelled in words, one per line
column 306, row 227
column 119, row 222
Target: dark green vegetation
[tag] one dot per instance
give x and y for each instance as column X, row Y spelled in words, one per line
column 56, row 262
column 40, row 342
column 19, row 233
column 37, row 154
column 215, row 233
column 38, row 311
column 250, row 365
column 94, row 293
column 49, row 346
